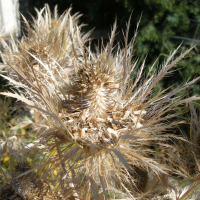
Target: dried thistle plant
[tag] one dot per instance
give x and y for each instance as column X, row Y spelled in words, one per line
column 27, row 186
column 48, row 48
column 103, row 123
column 188, row 152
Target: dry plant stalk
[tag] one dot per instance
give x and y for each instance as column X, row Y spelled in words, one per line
column 102, row 121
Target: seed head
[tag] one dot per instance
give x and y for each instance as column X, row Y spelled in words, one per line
column 104, row 124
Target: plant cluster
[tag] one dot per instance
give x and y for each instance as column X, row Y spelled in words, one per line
column 105, row 133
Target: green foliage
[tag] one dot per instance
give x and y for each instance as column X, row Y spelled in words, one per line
column 162, row 23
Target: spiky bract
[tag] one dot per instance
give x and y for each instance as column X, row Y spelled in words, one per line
column 49, row 47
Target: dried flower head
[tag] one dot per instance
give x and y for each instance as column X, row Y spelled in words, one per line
column 26, row 185
column 48, row 48
column 104, row 123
